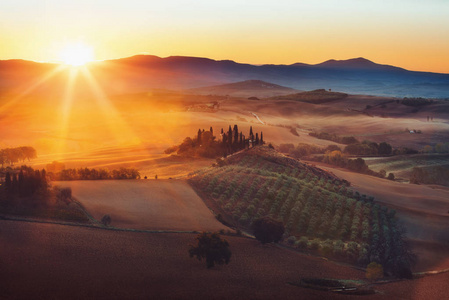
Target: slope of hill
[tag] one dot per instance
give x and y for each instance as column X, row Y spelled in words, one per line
column 145, row 204
column 361, row 76
column 312, row 204
column 247, row 88
column 316, row 97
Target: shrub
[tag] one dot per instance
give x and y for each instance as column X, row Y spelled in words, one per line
column 267, row 230
column 374, row 271
column 65, row 194
column 286, row 148
column 302, row 242
column 212, row 248
column 326, row 247
column 314, row 245
column 291, row 240
column 338, row 248
column 106, row 220
column 244, row 218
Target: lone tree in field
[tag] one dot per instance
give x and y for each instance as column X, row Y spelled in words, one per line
column 268, row 230
column 106, row 220
column 212, row 248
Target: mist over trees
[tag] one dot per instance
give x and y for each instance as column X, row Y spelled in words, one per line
column 18, row 154
column 333, row 155
column 58, row 172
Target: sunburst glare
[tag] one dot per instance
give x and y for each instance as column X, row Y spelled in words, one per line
column 76, row 54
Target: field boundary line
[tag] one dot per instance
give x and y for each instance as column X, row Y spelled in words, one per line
column 21, row 219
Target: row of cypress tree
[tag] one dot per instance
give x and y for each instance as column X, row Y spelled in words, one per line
column 26, row 182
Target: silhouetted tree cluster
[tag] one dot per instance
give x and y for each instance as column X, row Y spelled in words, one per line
column 24, row 182
column 205, row 144
column 333, row 155
column 65, row 194
column 233, row 140
column 359, row 165
column 347, row 140
column 438, row 148
column 430, row 175
column 14, row 155
column 94, row 174
column 55, row 167
column 404, row 150
column 212, row 248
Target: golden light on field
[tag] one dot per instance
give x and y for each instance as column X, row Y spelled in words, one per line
column 76, row 54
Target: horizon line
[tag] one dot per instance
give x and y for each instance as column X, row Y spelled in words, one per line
column 221, row 60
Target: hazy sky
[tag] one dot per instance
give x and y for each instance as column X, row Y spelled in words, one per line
column 413, row 34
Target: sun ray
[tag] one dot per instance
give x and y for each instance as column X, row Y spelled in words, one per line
column 118, row 127
column 64, row 116
column 34, row 86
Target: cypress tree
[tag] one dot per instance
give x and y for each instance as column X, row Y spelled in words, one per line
column 37, row 175
column 21, row 186
column 236, row 134
column 8, row 181
column 199, row 137
column 257, row 138
column 230, row 135
column 44, row 178
column 211, row 130
column 21, row 178
column 261, row 138
column 14, row 183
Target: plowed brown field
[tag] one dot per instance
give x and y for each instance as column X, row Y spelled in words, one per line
column 42, row 261
column 145, row 204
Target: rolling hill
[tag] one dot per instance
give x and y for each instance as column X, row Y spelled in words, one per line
column 247, row 88
column 143, row 72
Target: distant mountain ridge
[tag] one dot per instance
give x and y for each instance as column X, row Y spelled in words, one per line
column 143, row 72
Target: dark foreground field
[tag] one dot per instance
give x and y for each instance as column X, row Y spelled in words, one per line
column 43, row 261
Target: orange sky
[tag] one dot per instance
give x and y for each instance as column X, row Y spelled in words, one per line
column 408, row 33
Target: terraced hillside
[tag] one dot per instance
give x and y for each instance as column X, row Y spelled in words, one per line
column 319, row 211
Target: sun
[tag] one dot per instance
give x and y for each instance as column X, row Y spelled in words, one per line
column 76, row 54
